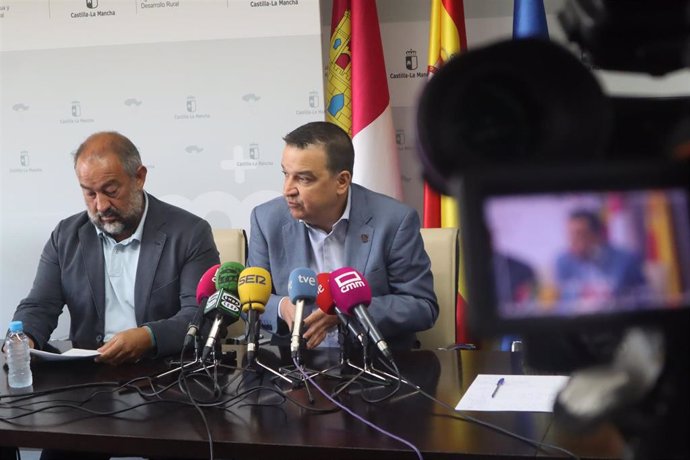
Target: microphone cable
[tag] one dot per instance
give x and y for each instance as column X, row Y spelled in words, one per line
column 78, row 405
column 184, row 387
column 28, row 405
column 356, row 416
column 543, row 446
column 217, row 392
column 393, row 392
column 33, row 394
column 238, row 397
column 307, row 407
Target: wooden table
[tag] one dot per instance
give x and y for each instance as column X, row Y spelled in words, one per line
column 255, row 429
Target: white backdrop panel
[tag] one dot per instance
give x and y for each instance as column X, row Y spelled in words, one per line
column 205, row 89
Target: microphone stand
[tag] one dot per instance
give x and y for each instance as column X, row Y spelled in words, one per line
column 365, row 370
column 257, row 362
column 252, row 336
column 179, row 368
column 343, row 335
column 216, row 360
column 307, row 373
column 210, row 368
column 180, row 365
column 292, row 372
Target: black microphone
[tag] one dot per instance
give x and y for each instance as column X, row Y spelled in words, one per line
column 224, row 303
column 204, row 290
column 352, row 293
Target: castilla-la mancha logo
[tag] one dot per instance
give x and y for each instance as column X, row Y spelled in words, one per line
column 411, row 60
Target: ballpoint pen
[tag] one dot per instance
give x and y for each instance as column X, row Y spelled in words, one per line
column 458, row 346
column 500, row 382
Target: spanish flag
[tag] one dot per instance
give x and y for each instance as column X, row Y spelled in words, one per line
column 447, row 37
column 662, row 248
column 357, row 95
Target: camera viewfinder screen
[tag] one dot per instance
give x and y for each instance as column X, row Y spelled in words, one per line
column 585, row 253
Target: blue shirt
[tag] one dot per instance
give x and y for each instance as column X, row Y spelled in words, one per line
column 610, row 278
column 121, row 261
column 328, row 254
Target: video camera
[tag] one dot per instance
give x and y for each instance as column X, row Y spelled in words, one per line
column 575, row 204
column 521, row 133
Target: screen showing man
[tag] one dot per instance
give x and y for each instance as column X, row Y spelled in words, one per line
column 590, row 252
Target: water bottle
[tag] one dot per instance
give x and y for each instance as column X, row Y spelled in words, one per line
column 17, row 354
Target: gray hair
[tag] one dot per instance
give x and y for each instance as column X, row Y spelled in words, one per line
column 114, row 142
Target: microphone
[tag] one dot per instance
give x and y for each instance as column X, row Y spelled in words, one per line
column 324, row 300
column 223, row 302
column 301, row 289
column 352, row 293
column 254, row 288
column 204, row 290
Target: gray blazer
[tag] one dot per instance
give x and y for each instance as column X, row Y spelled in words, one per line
column 177, row 247
column 383, row 243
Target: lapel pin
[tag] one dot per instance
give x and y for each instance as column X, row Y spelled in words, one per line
column 365, row 237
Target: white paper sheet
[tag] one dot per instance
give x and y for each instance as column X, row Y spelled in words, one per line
column 518, row 393
column 71, row 354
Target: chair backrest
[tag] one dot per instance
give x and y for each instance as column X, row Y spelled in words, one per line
column 231, row 244
column 442, row 246
column 232, row 247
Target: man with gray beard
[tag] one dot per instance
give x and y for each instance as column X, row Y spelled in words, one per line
column 127, row 268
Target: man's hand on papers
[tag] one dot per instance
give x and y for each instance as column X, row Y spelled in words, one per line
column 126, row 346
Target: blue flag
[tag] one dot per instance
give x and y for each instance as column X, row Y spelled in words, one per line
column 529, row 19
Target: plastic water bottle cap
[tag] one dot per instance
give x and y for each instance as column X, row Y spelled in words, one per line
column 16, row 326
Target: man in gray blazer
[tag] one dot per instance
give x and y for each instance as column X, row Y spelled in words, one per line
column 127, row 268
column 325, row 222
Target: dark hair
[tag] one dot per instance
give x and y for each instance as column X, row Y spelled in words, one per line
column 116, row 143
column 340, row 153
column 593, row 220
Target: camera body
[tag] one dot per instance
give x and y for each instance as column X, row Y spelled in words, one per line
column 522, row 135
column 575, row 210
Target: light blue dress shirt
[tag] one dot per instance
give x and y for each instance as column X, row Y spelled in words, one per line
column 328, row 254
column 121, row 261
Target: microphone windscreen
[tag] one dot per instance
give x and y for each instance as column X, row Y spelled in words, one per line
column 349, row 289
column 302, row 285
column 227, row 276
column 207, row 284
column 324, row 299
column 254, row 288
